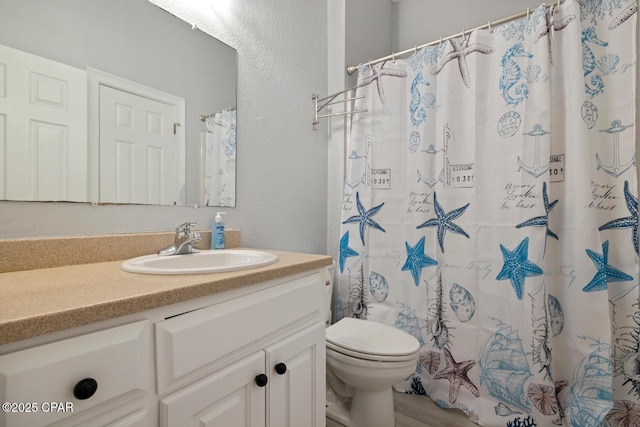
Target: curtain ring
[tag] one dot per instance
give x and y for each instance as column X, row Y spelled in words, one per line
column 440, row 44
column 369, row 63
column 415, row 49
column 393, row 57
column 527, row 13
column 489, row 25
column 558, row 3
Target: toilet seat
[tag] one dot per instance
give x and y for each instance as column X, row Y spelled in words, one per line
column 368, row 357
column 369, row 340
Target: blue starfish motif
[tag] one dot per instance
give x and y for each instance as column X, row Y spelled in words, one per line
column 517, row 267
column 444, row 221
column 542, row 221
column 417, row 260
column 605, row 273
column 364, row 217
column 345, row 250
column 629, row 221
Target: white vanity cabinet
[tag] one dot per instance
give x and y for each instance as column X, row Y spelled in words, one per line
column 249, row 356
column 258, row 360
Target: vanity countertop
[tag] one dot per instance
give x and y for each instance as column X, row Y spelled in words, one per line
column 36, row 302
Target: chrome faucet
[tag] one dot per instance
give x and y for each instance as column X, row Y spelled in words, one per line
column 183, row 241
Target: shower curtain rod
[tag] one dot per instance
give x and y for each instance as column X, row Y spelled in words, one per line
column 204, row 117
column 352, row 68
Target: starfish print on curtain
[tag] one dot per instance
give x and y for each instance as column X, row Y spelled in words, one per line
column 460, row 52
column 542, row 221
column 605, row 273
column 345, row 250
column 517, row 267
column 444, row 221
column 629, row 221
column 456, row 373
column 364, row 217
column 377, row 71
column 624, row 16
column 417, row 260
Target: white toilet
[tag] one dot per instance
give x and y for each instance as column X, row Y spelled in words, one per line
column 364, row 360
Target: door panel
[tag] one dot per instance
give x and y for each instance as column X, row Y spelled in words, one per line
column 43, row 131
column 297, row 397
column 228, row 398
column 137, row 149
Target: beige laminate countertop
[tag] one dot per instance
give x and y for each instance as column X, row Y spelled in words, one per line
column 36, row 302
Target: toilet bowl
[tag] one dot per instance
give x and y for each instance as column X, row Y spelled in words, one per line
column 364, row 360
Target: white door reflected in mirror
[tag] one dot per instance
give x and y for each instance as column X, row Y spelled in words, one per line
column 138, row 149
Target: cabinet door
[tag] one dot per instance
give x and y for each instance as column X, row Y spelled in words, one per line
column 228, row 398
column 297, row 395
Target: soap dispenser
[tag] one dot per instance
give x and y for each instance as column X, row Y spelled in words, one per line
column 217, row 232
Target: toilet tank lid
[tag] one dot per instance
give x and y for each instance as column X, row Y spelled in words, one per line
column 367, row 336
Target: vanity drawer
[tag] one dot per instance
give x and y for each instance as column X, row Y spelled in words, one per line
column 189, row 342
column 42, row 379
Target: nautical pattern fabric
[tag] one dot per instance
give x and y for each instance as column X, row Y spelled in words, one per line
column 220, row 159
column 491, row 211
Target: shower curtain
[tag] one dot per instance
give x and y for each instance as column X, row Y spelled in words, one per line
column 220, row 159
column 490, row 210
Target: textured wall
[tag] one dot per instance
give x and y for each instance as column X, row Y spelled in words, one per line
column 282, row 162
column 416, row 22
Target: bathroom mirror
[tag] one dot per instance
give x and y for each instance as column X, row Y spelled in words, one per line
column 136, row 73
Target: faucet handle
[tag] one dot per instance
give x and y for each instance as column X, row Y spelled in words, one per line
column 185, row 228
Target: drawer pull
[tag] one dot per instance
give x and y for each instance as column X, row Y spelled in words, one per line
column 262, row 380
column 281, row 368
column 85, row 388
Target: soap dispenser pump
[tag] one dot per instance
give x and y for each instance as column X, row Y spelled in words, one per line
column 217, row 232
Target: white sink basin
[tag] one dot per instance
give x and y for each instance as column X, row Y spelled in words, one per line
column 214, row 261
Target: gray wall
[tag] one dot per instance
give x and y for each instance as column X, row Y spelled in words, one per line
column 282, row 162
column 417, row 22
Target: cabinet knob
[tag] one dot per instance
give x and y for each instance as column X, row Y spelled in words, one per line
column 262, row 380
column 281, row 368
column 85, row 388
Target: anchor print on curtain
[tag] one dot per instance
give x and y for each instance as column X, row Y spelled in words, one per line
column 491, row 211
